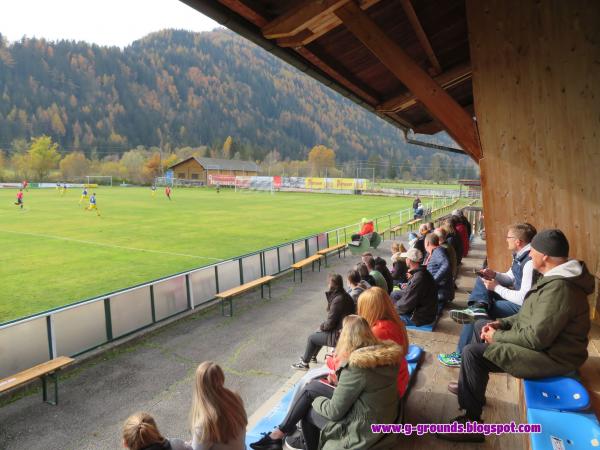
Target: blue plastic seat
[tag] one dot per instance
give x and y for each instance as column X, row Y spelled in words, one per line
column 414, row 353
column 557, row 393
column 427, row 327
column 564, row 430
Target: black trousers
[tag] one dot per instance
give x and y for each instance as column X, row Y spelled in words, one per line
column 312, row 424
column 313, row 345
column 303, row 404
column 474, row 374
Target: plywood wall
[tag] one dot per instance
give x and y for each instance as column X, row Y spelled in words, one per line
column 536, row 81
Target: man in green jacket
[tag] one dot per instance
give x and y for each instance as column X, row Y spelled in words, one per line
column 547, row 337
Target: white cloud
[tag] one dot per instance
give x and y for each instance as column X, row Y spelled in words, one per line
column 106, row 22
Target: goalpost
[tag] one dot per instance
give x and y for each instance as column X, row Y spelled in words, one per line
column 100, row 180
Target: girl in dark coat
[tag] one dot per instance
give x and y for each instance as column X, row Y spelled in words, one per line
column 339, row 305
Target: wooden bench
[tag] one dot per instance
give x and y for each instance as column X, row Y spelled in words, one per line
column 46, row 370
column 333, row 248
column 305, row 262
column 227, row 295
column 413, row 222
column 395, row 229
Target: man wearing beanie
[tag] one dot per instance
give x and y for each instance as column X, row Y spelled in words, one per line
column 547, row 337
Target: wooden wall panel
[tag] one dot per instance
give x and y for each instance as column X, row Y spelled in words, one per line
column 536, row 83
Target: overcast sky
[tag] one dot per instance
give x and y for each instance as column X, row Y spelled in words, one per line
column 104, row 22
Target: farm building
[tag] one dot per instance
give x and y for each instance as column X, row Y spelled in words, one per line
column 199, row 169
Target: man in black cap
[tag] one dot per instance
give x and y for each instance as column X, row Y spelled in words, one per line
column 547, row 337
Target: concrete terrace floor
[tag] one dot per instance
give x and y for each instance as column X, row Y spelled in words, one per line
column 154, row 372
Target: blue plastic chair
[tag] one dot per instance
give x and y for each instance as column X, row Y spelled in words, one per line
column 556, row 393
column 427, row 327
column 564, row 430
column 414, row 353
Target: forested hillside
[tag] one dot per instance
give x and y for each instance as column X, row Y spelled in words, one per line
column 176, row 89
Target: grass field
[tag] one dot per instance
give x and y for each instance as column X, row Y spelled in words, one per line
column 427, row 185
column 55, row 253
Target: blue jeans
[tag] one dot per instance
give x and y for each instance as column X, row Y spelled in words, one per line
column 480, row 294
column 499, row 310
column 406, row 319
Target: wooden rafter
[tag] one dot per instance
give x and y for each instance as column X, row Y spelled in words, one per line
column 302, row 16
column 438, row 102
column 247, row 13
column 344, row 80
column 421, row 36
column 307, row 21
column 446, row 80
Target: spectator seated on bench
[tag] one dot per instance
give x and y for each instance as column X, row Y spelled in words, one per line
column 217, row 416
column 496, row 295
column 438, row 265
column 355, row 285
column 399, row 268
column 416, row 301
column 547, row 337
column 368, row 259
column 339, row 305
column 365, row 276
column 366, row 230
column 140, row 432
column 362, row 390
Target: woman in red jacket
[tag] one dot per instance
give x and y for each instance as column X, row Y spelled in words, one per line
column 376, row 307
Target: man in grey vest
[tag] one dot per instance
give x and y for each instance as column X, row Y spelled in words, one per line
column 496, row 295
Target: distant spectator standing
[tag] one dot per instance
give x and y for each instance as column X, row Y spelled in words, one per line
column 168, row 192
column 415, row 206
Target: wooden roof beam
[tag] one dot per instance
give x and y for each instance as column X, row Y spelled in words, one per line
column 448, row 79
column 307, row 21
column 421, row 36
column 301, row 17
column 438, row 102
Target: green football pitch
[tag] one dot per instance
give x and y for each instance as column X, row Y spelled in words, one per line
column 55, row 253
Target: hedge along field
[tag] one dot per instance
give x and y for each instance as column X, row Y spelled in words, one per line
column 55, row 253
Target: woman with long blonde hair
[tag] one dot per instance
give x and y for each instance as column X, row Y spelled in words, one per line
column 376, row 307
column 141, row 433
column 366, row 392
column 217, row 418
column 355, row 334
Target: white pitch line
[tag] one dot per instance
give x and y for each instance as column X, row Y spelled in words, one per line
column 110, row 245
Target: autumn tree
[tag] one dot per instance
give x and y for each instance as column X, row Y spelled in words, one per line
column 132, row 163
column 227, row 147
column 321, row 158
column 152, row 168
column 43, row 156
column 74, row 165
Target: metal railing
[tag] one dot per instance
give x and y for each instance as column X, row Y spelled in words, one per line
column 83, row 326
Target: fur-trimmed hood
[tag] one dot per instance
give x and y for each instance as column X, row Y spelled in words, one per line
column 388, row 353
